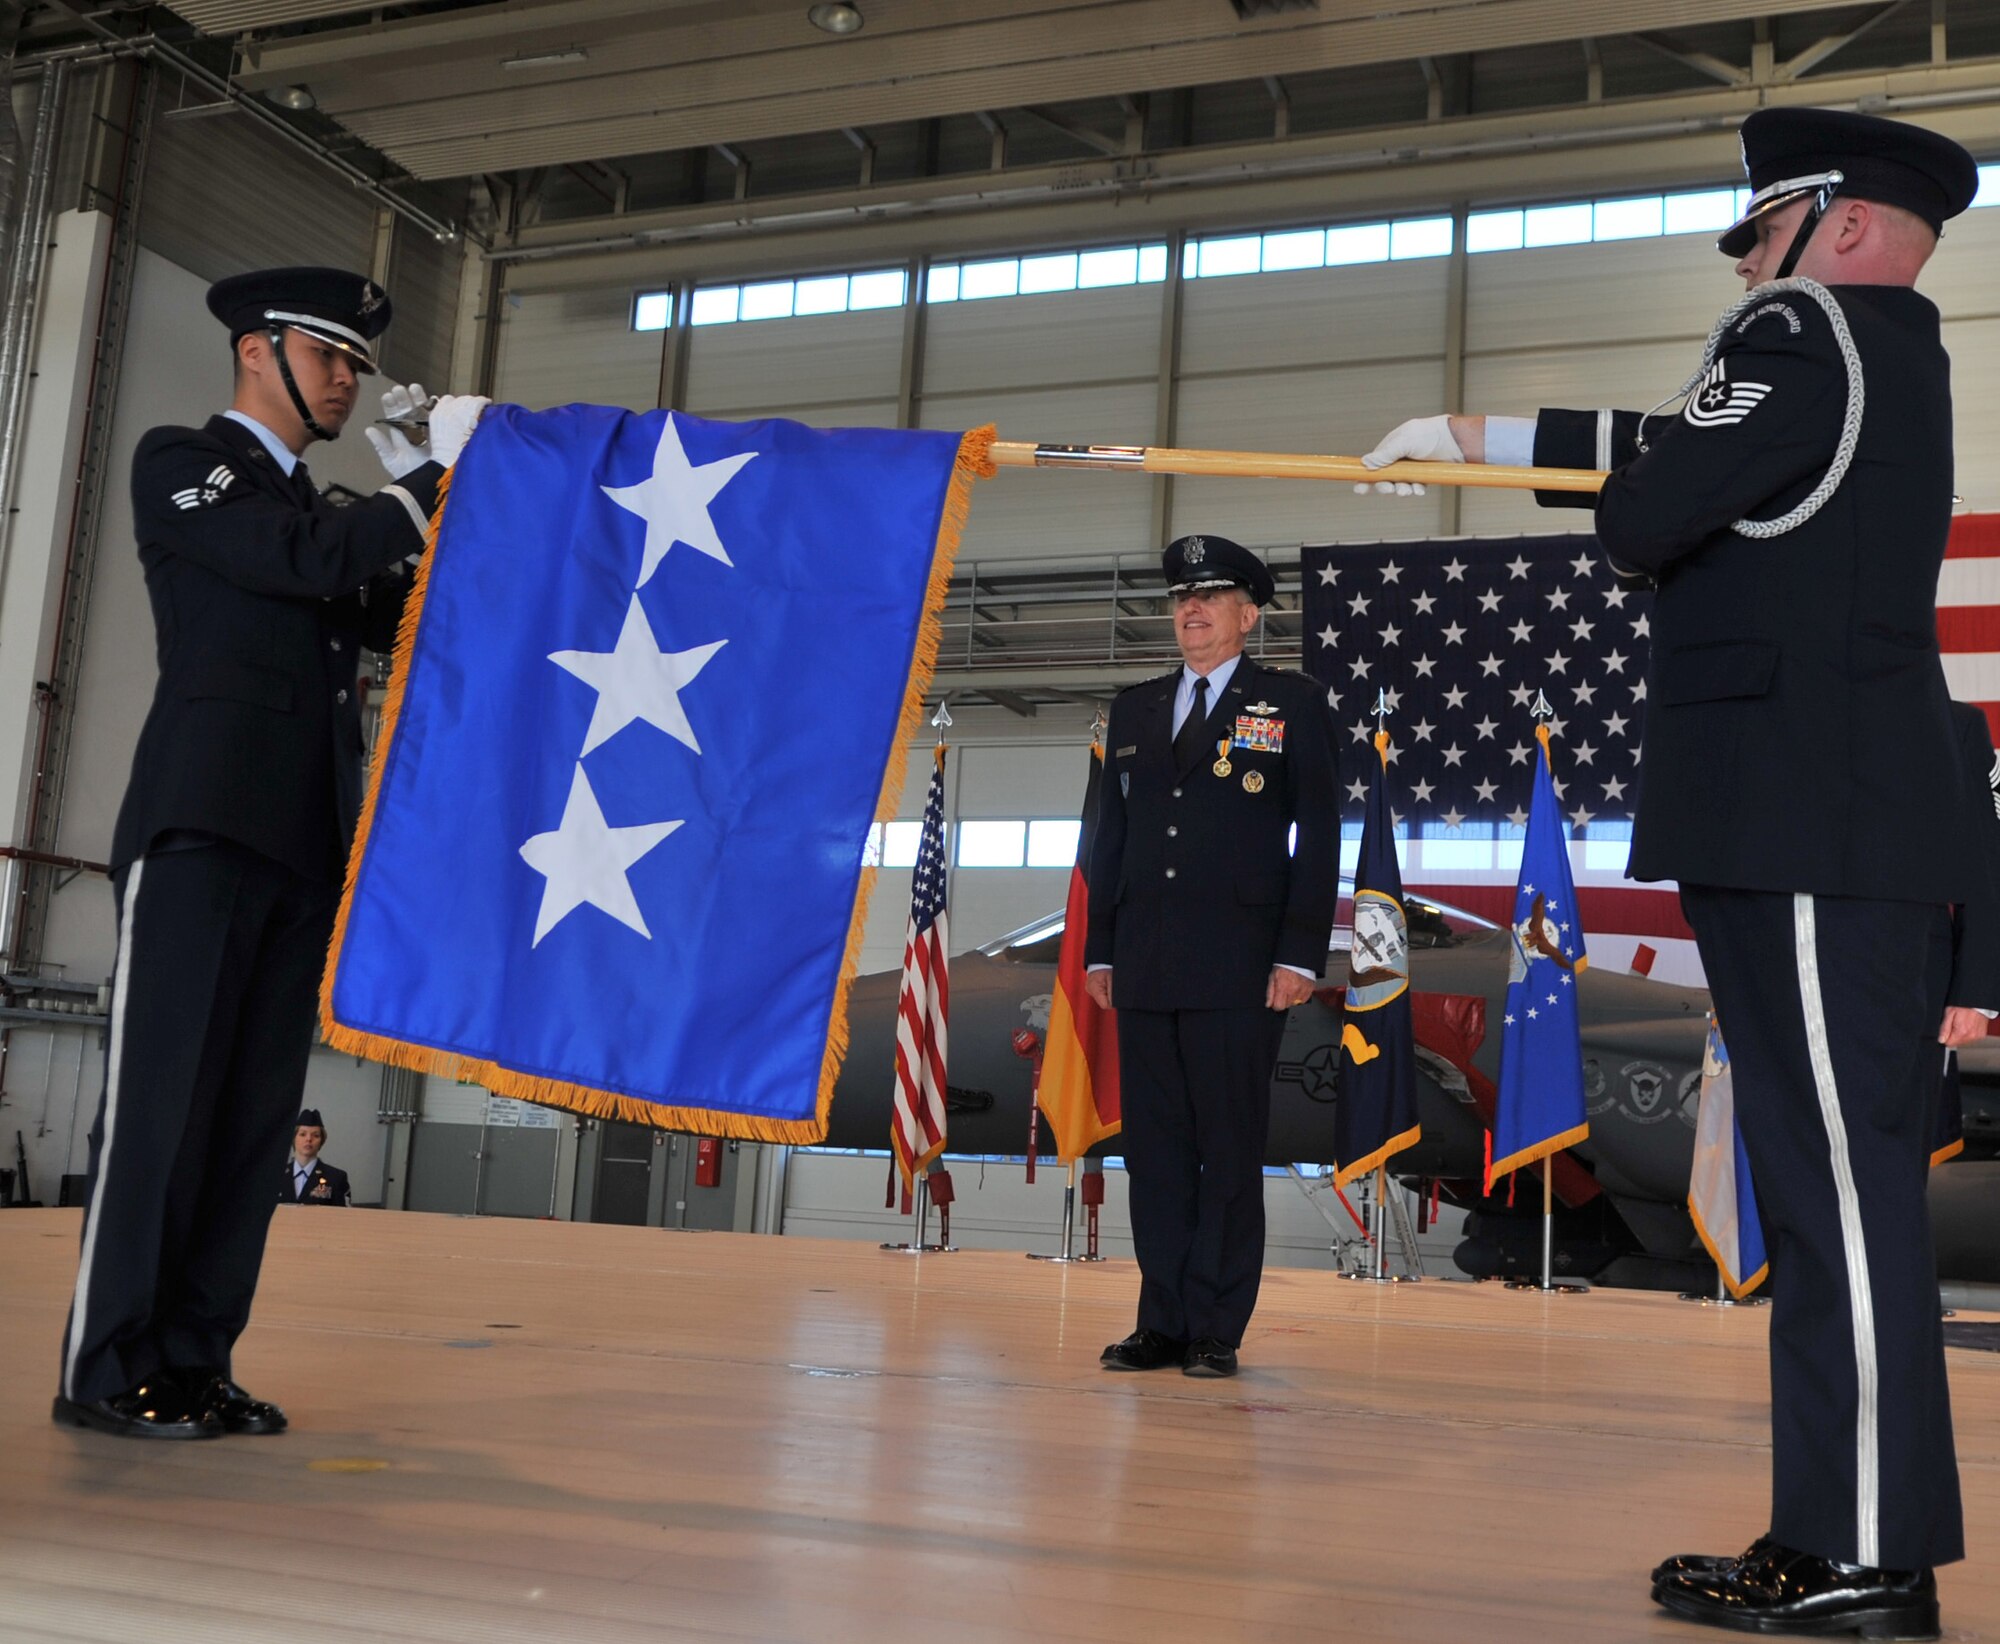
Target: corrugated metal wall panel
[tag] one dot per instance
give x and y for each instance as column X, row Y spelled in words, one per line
column 1038, row 341
column 1028, row 514
column 1575, row 295
column 1959, row 278
column 834, row 414
column 222, row 196
column 1325, row 409
column 1321, row 315
column 562, row 347
column 822, row 360
column 1975, row 350
column 424, row 284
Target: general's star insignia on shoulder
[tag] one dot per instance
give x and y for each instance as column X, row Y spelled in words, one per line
column 218, row 480
column 1717, row 402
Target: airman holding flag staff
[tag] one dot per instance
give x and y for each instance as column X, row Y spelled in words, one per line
column 1801, row 780
column 231, row 842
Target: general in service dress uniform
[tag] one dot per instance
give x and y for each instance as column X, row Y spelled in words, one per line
column 1210, row 926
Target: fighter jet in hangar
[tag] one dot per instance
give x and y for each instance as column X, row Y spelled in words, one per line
column 1621, row 1214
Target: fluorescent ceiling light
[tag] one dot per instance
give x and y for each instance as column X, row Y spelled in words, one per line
column 545, row 59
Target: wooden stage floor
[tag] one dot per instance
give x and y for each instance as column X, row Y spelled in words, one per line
column 524, row 1431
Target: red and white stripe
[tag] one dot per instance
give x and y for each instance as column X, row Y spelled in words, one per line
column 923, row 1007
column 1968, row 613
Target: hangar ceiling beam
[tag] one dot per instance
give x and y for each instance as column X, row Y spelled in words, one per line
column 1673, row 141
column 1820, row 50
column 432, row 91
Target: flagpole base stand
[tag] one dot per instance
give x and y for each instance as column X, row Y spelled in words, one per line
column 1037, row 1256
column 1559, row 1287
column 1707, row 1298
column 921, row 1249
column 1383, row 1278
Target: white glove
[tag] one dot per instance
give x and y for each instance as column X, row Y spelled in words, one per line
column 453, row 419
column 1421, row 439
column 406, row 405
column 398, row 453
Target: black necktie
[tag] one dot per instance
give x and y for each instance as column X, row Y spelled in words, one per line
column 302, row 483
column 1194, row 729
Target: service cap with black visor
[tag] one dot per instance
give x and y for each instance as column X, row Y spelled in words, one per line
column 346, row 311
column 1789, row 153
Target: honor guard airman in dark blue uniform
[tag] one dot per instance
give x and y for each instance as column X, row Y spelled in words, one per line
column 1802, row 779
column 231, row 842
column 1205, row 926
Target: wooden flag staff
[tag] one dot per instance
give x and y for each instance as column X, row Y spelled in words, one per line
column 1163, row 459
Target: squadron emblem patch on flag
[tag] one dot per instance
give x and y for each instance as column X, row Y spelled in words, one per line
column 217, row 481
column 1717, row 402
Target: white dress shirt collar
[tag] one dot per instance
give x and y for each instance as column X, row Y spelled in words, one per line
column 1218, row 681
column 281, row 453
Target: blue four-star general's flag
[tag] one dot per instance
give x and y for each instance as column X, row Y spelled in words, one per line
column 1541, row 1103
column 1720, row 1195
column 652, row 689
column 1377, row 1114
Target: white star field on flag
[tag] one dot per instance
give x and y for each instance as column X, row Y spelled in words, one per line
column 1462, row 637
column 585, row 861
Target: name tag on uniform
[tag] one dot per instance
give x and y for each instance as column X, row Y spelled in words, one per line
column 1258, row 734
column 1129, row 749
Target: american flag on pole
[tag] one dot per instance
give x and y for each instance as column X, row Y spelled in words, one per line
column 916, row 1128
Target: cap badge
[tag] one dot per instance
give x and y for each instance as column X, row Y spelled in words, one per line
column 1194, row 551
column 371, row 296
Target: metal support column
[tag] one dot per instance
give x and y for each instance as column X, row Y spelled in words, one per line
column 127, row 95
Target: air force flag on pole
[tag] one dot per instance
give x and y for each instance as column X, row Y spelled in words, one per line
column 653, row 687
column 1541, row 1105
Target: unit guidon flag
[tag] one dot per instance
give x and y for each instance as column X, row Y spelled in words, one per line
column 652, row 688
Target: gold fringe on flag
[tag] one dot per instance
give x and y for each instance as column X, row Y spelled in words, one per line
column 974, row 461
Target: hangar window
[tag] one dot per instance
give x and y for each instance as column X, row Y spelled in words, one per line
column 1576, row 222
column 776, row 299
column 991, row 843
column 1055, row 271
column 1052, row 842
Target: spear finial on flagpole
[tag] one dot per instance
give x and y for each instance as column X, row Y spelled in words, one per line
column 1544, row 718
column 1382, row 711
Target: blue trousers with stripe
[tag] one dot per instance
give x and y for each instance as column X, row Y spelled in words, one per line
column 1830, row 1006
column 213, row 1000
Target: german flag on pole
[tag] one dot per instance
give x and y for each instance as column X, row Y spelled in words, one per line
column 1079, row 1090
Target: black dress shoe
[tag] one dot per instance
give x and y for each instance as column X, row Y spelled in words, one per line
column 1206, row 1356
column 158, row 1409
column 1707, row 1564
column 1143, row 1350
column 234, row 1410
column 1784, row 1591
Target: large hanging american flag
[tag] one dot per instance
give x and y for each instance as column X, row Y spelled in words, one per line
column 1461, row 635
column 1969, row 613
column 923, row 1005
